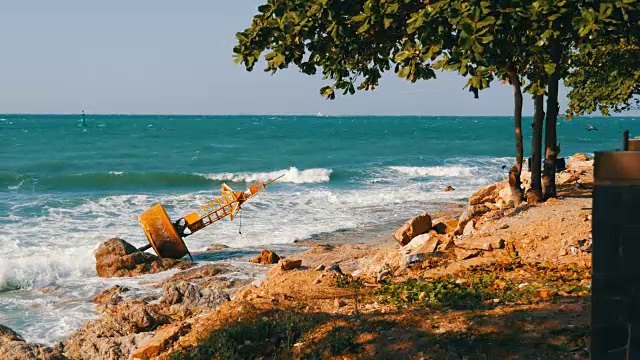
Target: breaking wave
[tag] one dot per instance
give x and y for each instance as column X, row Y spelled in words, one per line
column 442, row 171
column 290, row 175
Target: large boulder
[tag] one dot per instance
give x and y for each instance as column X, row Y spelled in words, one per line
column 412, row 228
column 117, row 258
column 487, row 194
column 13, row 347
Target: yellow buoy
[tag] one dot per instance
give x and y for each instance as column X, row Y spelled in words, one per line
column 166, row 237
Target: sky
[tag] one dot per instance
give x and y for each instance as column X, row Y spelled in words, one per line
column 175, row 57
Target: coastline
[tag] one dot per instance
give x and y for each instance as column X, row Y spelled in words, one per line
column 157, row 327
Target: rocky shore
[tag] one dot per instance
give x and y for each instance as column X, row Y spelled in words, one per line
column 494, row 280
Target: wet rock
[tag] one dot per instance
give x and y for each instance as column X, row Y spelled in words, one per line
column 412, row 228
column 13, row 347
column 193, row 297
column 160, row 341
column 111, row 296
column 449, row 188
column 117, row 258
column 487, row 194
column 266, row 257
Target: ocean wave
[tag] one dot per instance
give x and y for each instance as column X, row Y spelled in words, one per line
column 44, row 269
column 290, row 175
column 436, row 171
column 128, row 180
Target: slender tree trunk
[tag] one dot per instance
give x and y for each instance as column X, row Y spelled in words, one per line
column 514, row 174
column 552, row 149
column 535, row 193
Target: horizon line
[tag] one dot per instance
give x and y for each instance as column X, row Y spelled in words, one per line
column 286, row 114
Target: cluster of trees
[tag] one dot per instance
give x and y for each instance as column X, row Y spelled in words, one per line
column 591, row 45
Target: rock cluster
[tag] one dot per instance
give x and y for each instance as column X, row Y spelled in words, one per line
column 412, row 228
column 117, row 258
column 13, row 347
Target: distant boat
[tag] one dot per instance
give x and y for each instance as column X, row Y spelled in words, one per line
column 591, row 128
column 319, row 114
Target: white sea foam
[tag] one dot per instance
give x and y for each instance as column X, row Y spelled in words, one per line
column 291, row 175
column 116, row 172
column 445, row 171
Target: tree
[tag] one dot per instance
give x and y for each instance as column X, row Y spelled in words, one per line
column 605, row 74
column 605, row 79
column 355, row 42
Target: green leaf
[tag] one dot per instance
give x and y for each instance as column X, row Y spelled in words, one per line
column 404, row 72
column 364, row 27
column 550, row 68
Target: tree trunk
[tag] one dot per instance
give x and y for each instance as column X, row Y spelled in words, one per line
column 514, row 174
column 552, row 149
column 535, row 193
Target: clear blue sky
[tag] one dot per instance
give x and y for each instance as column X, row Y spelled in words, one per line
column 175, row 57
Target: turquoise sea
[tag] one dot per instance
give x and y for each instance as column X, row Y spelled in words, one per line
column 65, row 188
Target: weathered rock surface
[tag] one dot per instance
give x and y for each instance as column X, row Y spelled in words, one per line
column 412, row 228
column 117, row 258
column 217, row 247
column 430, row 245
column 472, row 212
column 266, row 257
column 201, row 273
column 449, row 188
column 287, row 264
column 489, row 193
column 566, row 178
column 13, row 347
column 160, row 341
column 579, row 161
column 117, row 333
column 578, row 157
column 111, row 296
column 191, row 298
